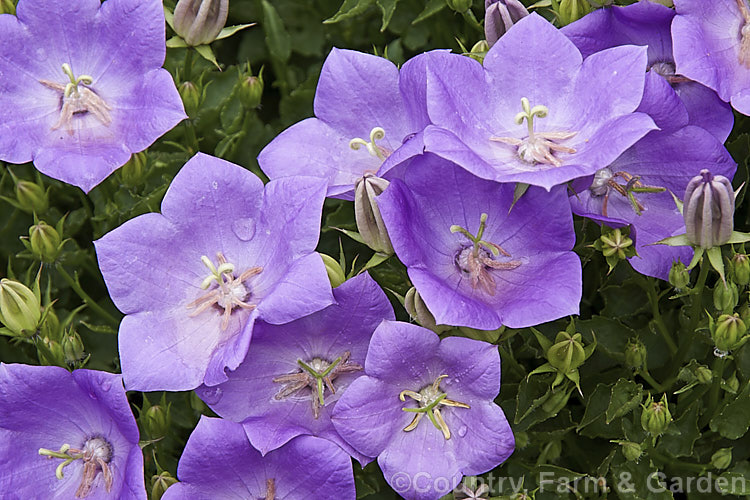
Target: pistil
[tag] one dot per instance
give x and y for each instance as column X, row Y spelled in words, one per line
column 430, row 399
column 374, row 149
column 78, row 99
column 96, row 455
column 605, row 181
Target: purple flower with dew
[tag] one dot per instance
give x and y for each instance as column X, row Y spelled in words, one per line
column 67, row 435
column 474, row 261
column 83, row 87
column 409, row 374
column 638, row 188
column 712, row 46
column 365, row 109
column 535, row 113
column 646, row 23
column 219, row 463
column 294, row 373
column 192, row 280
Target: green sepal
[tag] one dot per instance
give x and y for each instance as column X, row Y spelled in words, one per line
column 697, row 256
column 681, row 240
column 739, row 237
column 207, row 54
column 231, row 30
column 352, row 234
column 176, row 42
column 518, row 191
column 714, row 257
column 544, row 342
column 375, row 260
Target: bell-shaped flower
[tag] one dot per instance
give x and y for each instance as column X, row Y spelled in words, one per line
column 365, row 108
column 67, row 435
column 294, row 373
column 220, row 464
column 647, row 23
column 411, row 374
column 536, row 112
column 82, row 86
column 709, row 210
column 712, row 46
column 477, row 259
column 192, row 280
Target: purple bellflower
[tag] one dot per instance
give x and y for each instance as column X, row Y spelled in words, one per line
column 82, row 86
column 411, row 374
column 536, row 113
column 712, row 46
column 474, row 261
column 365, row 108
column 294, row 373
column 67, row 435
column 219, row 463
column 224, row 251
column 646, row 23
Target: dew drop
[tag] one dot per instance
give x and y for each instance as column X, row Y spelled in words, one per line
column 211, row 395
column 244, row 228
column 462, row 431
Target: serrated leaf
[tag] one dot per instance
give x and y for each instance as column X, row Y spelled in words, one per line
column 731, row 421
column 277, row 38
column 349, row 9
column 388, row 7
column 626, row 395
column 596, row 405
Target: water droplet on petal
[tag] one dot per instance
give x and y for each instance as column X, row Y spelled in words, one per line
column 462, row 430
column 244, row 228
column 211, row 395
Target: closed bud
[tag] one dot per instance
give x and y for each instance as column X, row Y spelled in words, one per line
column 160, row 483
column 156, row 421
column 728, row 332
column 51, row 352
column 741, row 269
column 635, row 354
column 722, row 458
column 704, row 375
column 191, row 98
column 20, row 308
column 459, row 6
column 726, row 296
column 656, row 416
column 369, row 221
column 45, row 242
column 733, row 383
column 632, row 451
column 31, row 197
column 708, row 209
column 418, row 311
column 73, row 348
column 499, row 16
column 569, row 11
column 567, row 353
column 479, row 50
column 199, row 22
column 50, row 328
column 745, row 312
column 679, row 277
column 333, row 268
column 8, row 7
column 251, row 89
column 133, row 172
column 556, row 401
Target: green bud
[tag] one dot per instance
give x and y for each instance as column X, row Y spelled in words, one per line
column 8, row 7
column 556, row 401
column 50, row 328
column 631, row 451
column 191, row 98
column 20, row 308
column 133, row 172
column 569, row 11
column 656, row 416
column 459, row 6
column 733, row 383
column 635, row 354
column 156, row 421
column 722, row 458
column 567, row 353
column 160, row 483
column 726, row 296
column 45, row 242
column 73, row 348
column 679, row 276
column 31, row 197
column 251, row 89
column 418, row 311
column 728, row 332
column 522, row 439
column 51, row 352
column 479, row 50
column 740, row 266
column 333, row 268
column 704, row 375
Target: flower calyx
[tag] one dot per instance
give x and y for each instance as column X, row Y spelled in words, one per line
column 96, row 455
column 605, row 181
column 376, row 134
column 77, row 99
column 477, row 260
column 317, row 374
column 230, row 291
column 565, row 355
column 616, row 245
column 538, row 147
column 430, row 399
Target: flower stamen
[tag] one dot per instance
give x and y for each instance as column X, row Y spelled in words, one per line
column 375, row 150
column 96, row 455
column 77, row 99
column 270, row 489
column 605, row 182
column 430, row 398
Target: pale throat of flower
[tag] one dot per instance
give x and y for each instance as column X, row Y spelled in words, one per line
column 668, row 70
column 477, row 260
column 316, row 374
column 225, row 290
column 430, row 399
column 744, row 54
column 538, row 147
column 375, row 150
column 77, row 99
column 605, row 181
column 96, row 456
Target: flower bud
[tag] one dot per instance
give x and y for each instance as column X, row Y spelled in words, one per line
column 31, row 197
column 369, row 221
column 418, row 311
column 722, row 458
column 704, row 375
column 251, row 89
column 728, row 332
column 635, row 354
column 45, row 242
column 8, row 7
column 333, row 268
column 499, row 16
column 156, row 421
column 632, row 451
column 50, row 328
column 656, row 416
column 479, row 51
column 740, row 269
column 133, row 172
column 50, row 352
column 459, row 6
column 679, row 277
column 708, row 210
column 73, row 348
column 556, row 401
column 199, row 22
column 191, row 98
column 733, row 383
column 569, row 11
column 726, row 296
column 567, row 353
column 160, row 483
column 20, row 308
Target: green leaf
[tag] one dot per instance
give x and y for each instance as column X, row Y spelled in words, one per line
column 738, row 480
column 626, row 395
column 432, row 8
column 731, row 421
column 349, row 9
column 596, row 405
column 231, row 30
column 277, row 38
column 388, row 7
column 680, row 444
column 207, row 54
column 518, row 191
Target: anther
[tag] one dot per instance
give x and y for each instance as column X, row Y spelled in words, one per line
column 376, row 134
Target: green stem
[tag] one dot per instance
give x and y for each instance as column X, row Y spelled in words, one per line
column 654, row 300
column 686, row 340
column 665, row 459
column 715, row 392
column 652, row 382
column 192, row 137
column 188, row 65
column 85, row 297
